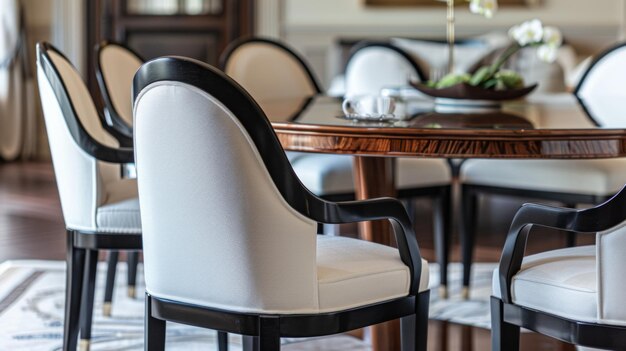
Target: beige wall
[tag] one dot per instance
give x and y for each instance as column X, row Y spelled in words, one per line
column 39, row 17
column 348, row 13
column 313, row 26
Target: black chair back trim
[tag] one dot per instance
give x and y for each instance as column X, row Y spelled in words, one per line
column 77, row 130
column 215, row 83
column 373, row 44
column 232, row 47
column 112, row 121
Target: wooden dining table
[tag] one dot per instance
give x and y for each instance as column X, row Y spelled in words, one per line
column 542, row 126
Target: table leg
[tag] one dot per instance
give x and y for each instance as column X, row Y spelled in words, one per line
column 375, row 177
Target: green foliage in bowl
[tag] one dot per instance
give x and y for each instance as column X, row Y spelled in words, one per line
column 500, row 80
column 493, row 77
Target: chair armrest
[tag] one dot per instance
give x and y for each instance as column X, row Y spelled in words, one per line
column 379, row 209
column 107, row 154
column 117, row 127
column 599, row 218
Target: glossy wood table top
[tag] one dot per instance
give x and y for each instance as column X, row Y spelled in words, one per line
column 543, row 126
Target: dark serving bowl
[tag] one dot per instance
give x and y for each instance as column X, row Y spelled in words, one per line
column 466, row 91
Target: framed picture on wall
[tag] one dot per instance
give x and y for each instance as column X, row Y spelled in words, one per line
column 439, row 2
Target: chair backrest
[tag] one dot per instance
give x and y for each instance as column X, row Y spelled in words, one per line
column 373, row 66
column 72, row 123
column 222, row 210
column 116, row 66
column 268, row 69
column 601, row 88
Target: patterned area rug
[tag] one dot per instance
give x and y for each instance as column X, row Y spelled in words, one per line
column 31, row 312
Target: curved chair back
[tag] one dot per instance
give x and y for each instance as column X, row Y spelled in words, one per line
column 268, row 69
column 601, row 89
column 236, row 211
column 116, row 66
column 74, row 130
column 373, row 66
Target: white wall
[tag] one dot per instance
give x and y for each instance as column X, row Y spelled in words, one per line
column 313, row 26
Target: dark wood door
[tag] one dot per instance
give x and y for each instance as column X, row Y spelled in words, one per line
column 199, row 29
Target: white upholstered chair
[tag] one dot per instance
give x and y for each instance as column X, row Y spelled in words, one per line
column 116, row 65
column 255, row 62
column 373, row 66
column 101, row 210
column 571, row 182
column 370, row 68
column 575, row 294
column 269, row 70
column 231, row 243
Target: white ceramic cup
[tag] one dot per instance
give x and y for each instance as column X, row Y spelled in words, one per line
column 373, row 106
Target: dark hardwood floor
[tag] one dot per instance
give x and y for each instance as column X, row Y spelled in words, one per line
column 31, row 227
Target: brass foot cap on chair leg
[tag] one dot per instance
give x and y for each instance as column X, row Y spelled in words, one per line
column 131, row 291
column 84, row 345
column 106, row 309
column 443, row 291
column 465, row 293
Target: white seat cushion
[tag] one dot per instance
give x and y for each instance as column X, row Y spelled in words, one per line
column 119, row 212
column 560, row 282
column 354, row 273
column 601, row 177
column 332, row 174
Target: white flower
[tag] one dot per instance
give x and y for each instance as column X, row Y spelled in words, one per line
column 486, row 8
column 529, row 32
column 547, row 52
column 552, row 36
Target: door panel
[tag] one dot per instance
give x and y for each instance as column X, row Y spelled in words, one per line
column 200, row 29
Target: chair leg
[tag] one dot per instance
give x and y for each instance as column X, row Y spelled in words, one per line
column 269, row 334
column 469, row 203
column 154, row 333
column 504, row 336
column 133, row 261
column 407, row 333
column 112, row 259
column 250, row 343
column 441, row 209
column 570, row 237
column 409, row 204
column 222, row 341
column 73, row 290
column 414, row 328
column 86, row 308
column 421, row 321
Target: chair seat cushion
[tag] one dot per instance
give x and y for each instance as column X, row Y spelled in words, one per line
column 600, row 177
column 332, row 174
column 560, row 282
column 119, row 212
column 354, row 273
